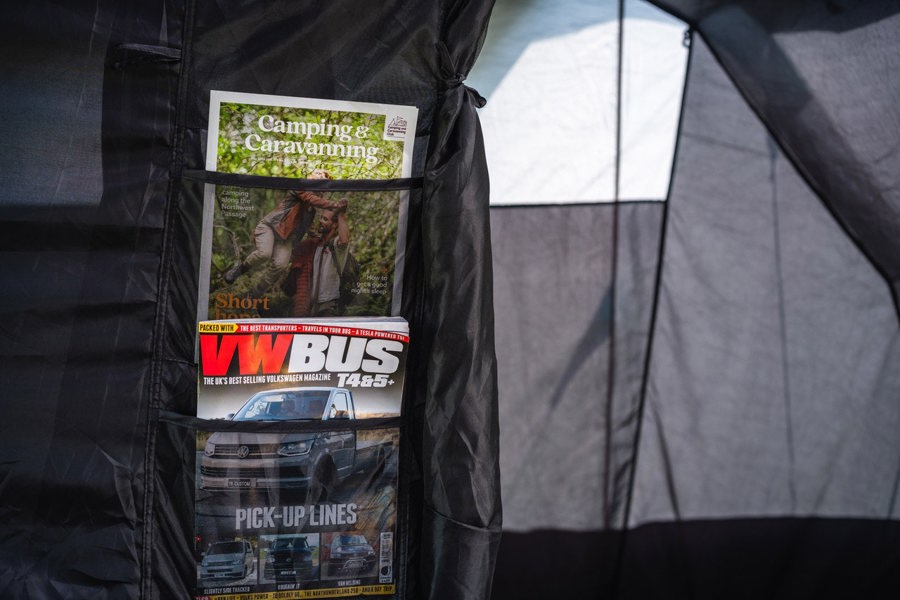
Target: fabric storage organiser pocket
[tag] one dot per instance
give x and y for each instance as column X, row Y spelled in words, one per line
column 292, row 505
column 307, row 501
column 295, row 248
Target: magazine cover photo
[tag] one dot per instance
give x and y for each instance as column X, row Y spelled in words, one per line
column 278, row 253
column 297, row 472
column 274, row 251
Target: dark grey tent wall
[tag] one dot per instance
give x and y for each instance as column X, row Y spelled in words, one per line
column 574, row 290
column 104, row 117
column 764, row 419
column 820, row 76
column 774, row 342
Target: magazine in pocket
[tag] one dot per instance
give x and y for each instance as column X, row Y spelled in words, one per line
column 299, row 253
column 305, row 207
column 298, row 459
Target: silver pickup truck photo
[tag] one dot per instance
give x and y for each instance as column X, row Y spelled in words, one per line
column 315, row 460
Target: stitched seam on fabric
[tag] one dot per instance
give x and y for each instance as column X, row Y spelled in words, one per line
column 639, row 413
column 159, row 328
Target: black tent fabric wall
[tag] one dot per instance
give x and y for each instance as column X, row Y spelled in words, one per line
column 104, row 118
column 729, row 361
column 699, row 398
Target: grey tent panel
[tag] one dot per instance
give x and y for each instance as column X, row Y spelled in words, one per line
column 773, row 380
column 574, row 291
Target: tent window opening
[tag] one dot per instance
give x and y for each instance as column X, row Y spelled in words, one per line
column 549, row 71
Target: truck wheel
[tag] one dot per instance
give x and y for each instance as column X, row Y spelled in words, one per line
column 322, row 484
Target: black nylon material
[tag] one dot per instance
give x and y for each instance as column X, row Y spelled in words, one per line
column 99, row 278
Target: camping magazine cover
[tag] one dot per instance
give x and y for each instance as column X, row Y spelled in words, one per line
column 272, row 248
column 297, row 473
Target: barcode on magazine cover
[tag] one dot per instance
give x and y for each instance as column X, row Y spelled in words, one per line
column 386, row 562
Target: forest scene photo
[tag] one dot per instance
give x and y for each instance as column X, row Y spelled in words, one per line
column 372, row 221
